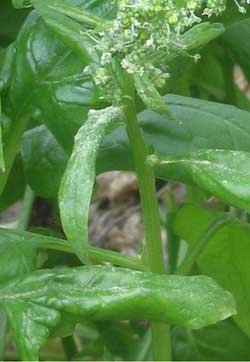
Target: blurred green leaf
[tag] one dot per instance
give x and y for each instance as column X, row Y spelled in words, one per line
column 15, row 186
column 223, row 341
column 225, row 256
column 11, row 21
column 236, row 39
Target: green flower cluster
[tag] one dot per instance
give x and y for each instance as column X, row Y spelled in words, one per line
column 146, row 33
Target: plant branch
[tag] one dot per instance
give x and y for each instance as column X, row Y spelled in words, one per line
column 97, row 255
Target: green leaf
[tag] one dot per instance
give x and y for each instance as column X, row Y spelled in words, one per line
column 201, row 34
column 195, row 125
column 78, row 181
column 19, row 4
column 222, row 173
column 44, row 161
column 51, row 85
column 34, row 303
column 101, row 8
column 2, row 166
column 3, row 330
column 17, row 257
column 71, row 32
column 15, row 186
column 225, row 256
column 223, row 341
column 11, row 21
column 7, row 57
column 238, row 44
column 85, row 17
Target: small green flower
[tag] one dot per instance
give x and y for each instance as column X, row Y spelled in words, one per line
column 146, row 33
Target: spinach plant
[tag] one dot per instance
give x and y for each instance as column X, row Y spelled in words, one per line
column 148, row 86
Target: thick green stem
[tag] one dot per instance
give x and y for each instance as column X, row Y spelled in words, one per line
column 186, row 266
column 161, row 341
column 97, row 255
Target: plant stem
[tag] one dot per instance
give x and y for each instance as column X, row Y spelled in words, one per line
column 153, row 253
column 27, row 206
column 102, row 255
column 96, row 254
column 186, row 266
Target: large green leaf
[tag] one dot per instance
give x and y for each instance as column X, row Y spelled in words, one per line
column 78, row 181
column 223, row 341
column 225, row 256
column 222, row 173
column 34, row 303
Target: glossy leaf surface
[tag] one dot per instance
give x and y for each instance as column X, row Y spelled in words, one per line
column 44, row 159
column 51, row 87
column 71, row 32
column 34, row 303
column 78, row 181
column 222, row 173
column 225, row 257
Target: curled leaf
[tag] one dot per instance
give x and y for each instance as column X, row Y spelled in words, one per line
column 78, row 181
